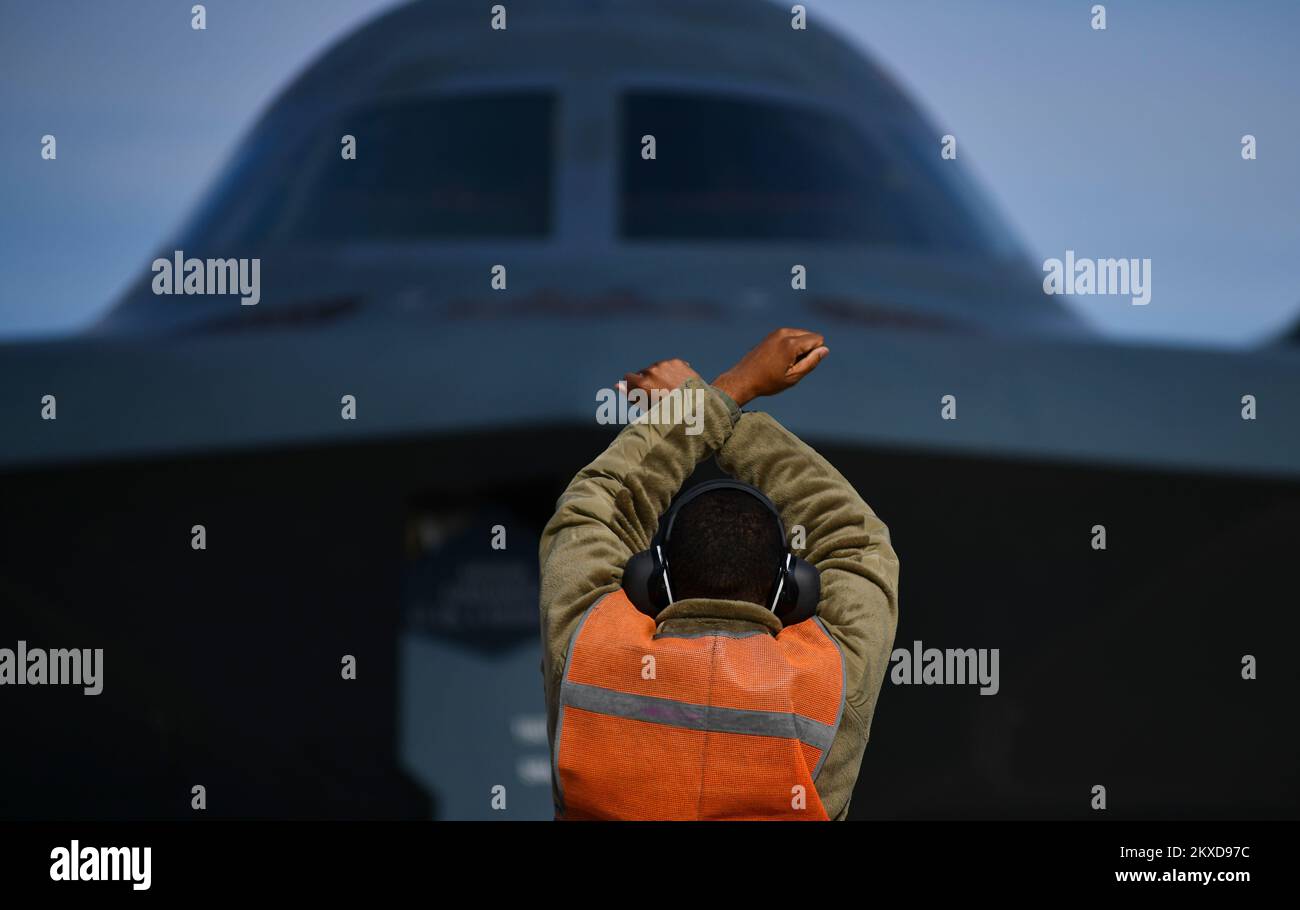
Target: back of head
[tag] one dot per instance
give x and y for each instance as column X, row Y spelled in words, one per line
column 725, row 544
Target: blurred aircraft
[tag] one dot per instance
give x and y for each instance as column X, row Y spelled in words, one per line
column 523, row 148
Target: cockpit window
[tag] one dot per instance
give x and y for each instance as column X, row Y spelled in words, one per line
column 729, row 168
column 447, row 168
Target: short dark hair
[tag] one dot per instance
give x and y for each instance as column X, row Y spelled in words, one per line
column 725, row 544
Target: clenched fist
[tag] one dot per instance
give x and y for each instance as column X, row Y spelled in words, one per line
column 779, row 361
column 663, row 376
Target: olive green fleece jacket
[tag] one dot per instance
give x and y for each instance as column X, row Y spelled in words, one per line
column 611, row 510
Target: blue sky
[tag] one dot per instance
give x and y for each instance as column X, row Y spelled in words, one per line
column 1122, row 143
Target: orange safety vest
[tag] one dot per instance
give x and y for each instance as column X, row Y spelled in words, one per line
column 720, row 725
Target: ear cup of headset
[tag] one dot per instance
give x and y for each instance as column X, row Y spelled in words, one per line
column 639, row 577
column 801, row 594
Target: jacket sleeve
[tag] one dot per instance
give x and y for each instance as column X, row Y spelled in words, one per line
column 611, row 510
column 844, row 539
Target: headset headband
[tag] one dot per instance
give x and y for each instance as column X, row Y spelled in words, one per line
column 666, row 526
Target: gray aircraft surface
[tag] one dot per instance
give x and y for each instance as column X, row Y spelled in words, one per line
column 499, row 251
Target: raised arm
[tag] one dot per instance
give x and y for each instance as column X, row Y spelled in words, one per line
column 845, row 540
column 611, row 509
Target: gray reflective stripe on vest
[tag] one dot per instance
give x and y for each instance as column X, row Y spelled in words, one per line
column 697, row 717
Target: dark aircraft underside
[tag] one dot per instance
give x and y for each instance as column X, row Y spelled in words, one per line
column 222, row 666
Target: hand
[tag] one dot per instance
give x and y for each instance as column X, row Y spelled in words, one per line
column 779, row 361
column 664, row 376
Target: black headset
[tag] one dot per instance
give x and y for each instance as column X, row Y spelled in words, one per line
column 795, row 590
